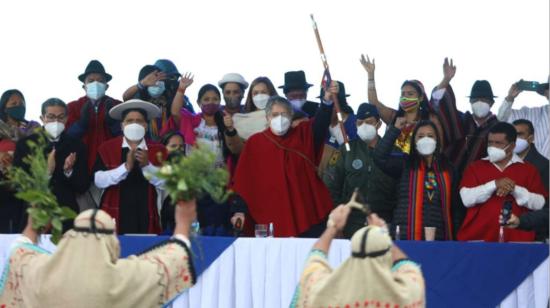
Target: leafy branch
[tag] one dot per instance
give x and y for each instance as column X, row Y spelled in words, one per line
column 33, row 187
column 192, row 176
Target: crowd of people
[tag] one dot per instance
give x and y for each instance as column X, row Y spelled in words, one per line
column 434, row 166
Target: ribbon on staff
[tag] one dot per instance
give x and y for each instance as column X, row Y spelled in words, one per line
column 326, row 84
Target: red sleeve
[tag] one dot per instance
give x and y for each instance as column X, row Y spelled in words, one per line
column 74, row 113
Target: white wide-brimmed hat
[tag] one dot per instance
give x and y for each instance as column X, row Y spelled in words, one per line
column 151, row 109
column 233, row 77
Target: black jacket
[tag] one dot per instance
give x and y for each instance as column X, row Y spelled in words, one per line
column 535, row 221
column 540, row 162
column 64, row 188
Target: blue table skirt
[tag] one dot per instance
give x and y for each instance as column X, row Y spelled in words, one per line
column 457, row 274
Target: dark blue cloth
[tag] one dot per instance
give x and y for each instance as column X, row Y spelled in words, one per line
column 205, row 249
column 459, row 274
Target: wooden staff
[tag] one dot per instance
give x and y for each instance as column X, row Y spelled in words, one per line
column 334, row 98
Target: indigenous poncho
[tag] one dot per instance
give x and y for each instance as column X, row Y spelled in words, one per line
column 85, row 271
column 366, row 279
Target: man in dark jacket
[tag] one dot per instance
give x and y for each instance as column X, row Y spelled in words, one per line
column 526, row 150
column 531, row 221
column 295, row 90
column 356, row 169
column 66, row 156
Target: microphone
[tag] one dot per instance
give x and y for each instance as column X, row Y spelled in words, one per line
column 506, row 212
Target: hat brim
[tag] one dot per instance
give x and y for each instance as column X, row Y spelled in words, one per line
column 347, row 95
column 477, row 96
column 108, row 77
column 306, row 86
column 151, row 110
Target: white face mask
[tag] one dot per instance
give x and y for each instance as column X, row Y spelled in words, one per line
column 496, row 154
column 260, row 100
column 297, row 103
column 366, row 132
column 481, row 109
column 95, row 90
column 336, row 134
column 426, row 145
column 280, row 125
column 54, row 129
column 134, row 132
column 521, row 145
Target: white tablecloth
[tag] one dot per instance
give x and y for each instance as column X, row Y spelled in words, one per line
column 264, row 272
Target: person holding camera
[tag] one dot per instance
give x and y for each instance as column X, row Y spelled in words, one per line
column 539, row 116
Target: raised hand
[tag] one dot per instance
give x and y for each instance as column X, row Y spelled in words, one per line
column 338, row 217
column 152, row 78
column 142, row 157
column 130, row 159
column 69, row 162
column 374, row 220
column 400, row 122
column 513, row 92
column 185, row 81
column 332, row 91
column 228, row 121
column 449, row 70
column 367, row 64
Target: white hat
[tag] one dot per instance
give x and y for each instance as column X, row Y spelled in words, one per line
column 152, row 110
column 233, row 77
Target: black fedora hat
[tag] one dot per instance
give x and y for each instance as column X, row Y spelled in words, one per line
column 94, row 67
column 481, row 88
column 295, row 80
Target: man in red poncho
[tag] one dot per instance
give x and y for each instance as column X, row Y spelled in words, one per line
column 125, row 168
column 500, row 177
column 89, row 121
column 276, row 175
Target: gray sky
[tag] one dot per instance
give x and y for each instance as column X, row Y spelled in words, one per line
column 47, row 44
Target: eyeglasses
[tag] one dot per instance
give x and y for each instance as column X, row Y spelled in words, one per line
column 52, row 117
column 138, row 121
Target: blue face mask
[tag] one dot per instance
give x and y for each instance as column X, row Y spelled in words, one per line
column 95, row 90
column 156, row 90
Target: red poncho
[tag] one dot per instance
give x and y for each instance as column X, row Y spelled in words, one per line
column 482, row 220
column 281, row 186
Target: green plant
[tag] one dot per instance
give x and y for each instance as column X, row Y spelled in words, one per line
column 190, row 177
column 33, row 187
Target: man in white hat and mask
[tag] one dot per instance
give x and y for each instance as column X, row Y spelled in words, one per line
column 125, row 166
column 378, row 273
column 85, row 270
column 233, row 86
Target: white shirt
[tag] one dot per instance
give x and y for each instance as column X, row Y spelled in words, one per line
column 480, row 194
column 104, row 179
column 537, row 115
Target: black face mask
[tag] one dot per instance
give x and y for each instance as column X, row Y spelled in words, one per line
column 234, row 103
column 17, row 113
